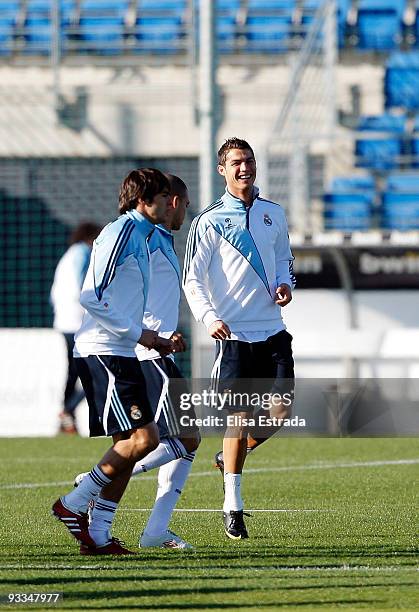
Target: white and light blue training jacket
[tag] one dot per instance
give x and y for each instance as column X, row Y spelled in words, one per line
column 162, row 306
column 236, row 257
column 65, row 291
column 115, row 290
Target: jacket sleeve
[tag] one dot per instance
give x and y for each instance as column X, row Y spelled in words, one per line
column 105, row 284
column 283, row 256
column 199, row 250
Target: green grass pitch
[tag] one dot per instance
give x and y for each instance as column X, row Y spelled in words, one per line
column 341, row 534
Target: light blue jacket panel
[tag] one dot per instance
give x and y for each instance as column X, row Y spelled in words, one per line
column 115, row 289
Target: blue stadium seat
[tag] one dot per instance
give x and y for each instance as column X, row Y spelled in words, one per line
column 224, row 7
column 272, row 5
column 174, row 6
column 6, row 38
column 101, row 27
column 403, row 182
column 348, row 211
column 159, row 34
column 342, row 15
column 268, row 25
column 38, row 6
column 268, row 34
column 38, row 34
column 348, row 204
column 400, row 210
column 104, row 36
column 225, row 28
column 42, row 9
column 401, row 83
column 381, row 150
column 104, row 8
column 380, row 24
column 353, row 184
column 382, row 123
column 8, row 13
column 378, row 153
column 38, row 24
column 415, row 152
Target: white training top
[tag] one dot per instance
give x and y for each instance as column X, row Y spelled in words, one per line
column 236, row 257
column 65, row 291
column 162, row 307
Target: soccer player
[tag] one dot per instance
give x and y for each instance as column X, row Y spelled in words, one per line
column 68, row 314
column 237, row 277
column 177, row 447
column 176, row 450
column 114, row 295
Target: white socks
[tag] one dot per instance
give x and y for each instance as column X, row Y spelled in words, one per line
column 102, row 518
column 232, row 496
column 167, row 450
column 171, row 480
column 91, row 485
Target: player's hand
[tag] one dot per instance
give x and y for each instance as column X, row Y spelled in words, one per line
column 178, row 341
column 148, row 338
column 283, row 295
column 219, row 330
column 164, row 346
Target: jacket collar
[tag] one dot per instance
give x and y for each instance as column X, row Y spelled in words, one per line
column 237, row 202
column 140, row 219
column 164, row 230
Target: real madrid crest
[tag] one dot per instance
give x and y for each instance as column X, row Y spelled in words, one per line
column 136, row 413
column 266, row 219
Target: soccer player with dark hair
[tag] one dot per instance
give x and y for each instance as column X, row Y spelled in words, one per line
column 177, row 447
column 237, row 276
column 114, row 294
column 176, row 451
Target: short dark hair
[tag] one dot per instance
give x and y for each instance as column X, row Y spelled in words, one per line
column 177, row 186
column 228, row 145
column 141, row 184
column 86, row 231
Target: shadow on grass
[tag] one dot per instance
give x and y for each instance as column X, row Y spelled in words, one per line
column 242, row 550
column 332, row 604
column 61, row 581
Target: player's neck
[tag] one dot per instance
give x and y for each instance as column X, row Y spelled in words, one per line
column 245, row 195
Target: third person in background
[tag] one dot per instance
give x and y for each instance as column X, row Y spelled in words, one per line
column 68, row 313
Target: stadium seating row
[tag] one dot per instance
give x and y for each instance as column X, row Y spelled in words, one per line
column 383, row 143
column 387, row 141
column 161, row 26
column 354, row 203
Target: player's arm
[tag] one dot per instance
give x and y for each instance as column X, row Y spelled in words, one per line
column 178, row 341
column 111, row 318
column 219, row 330
column 199, row 250
column 102, row 287
column 151, row 340
column 285, row 279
